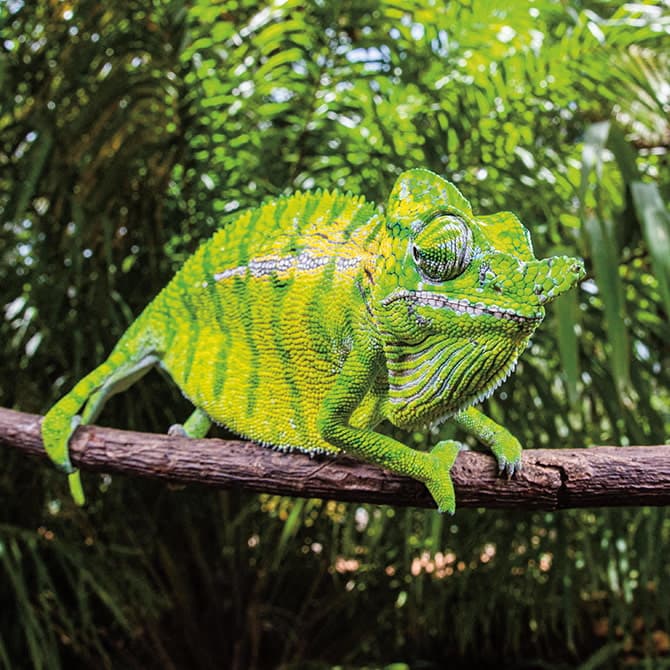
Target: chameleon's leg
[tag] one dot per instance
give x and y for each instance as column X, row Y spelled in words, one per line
column 432, row 467
column 115, row 374
column 196, row 426
column 505, row 447
column 121, row 379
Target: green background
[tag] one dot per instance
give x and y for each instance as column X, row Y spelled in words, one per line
column 129, row 131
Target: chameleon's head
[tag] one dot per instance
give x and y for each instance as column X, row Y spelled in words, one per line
column 456, row 297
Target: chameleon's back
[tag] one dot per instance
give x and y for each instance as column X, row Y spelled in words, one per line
column 255, row 326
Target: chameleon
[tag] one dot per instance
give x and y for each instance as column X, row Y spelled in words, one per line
column 308, row 320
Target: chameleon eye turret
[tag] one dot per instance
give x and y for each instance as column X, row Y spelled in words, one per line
column 443, row 249
column 307, row 321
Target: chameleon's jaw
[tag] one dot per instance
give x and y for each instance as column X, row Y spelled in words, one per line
column 444, row 354
column 507, row 291
column 434, row 300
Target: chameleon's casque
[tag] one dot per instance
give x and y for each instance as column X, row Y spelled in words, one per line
column 308, row 320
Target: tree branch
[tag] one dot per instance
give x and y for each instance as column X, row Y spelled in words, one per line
column 550, row 479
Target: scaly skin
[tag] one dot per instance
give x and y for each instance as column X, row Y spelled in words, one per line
column 310, row 319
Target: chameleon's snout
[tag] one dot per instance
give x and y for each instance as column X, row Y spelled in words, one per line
column 550, row 277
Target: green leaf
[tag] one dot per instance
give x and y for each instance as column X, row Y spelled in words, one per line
column 606, row 265
column 291, row 526
column 655, row 221
column 624, row 154
column 27, row 189
column 276, row 61
column 604, row 251
column 595, row 139
column 567, row 313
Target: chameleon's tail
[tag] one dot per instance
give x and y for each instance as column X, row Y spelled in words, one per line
column 132, row 357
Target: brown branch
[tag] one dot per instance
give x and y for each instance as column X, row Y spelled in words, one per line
column 550, row 479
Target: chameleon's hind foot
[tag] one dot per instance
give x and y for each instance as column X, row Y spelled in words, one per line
column 196, row 426
column 441, row 458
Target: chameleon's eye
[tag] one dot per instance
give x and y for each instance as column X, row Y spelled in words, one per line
column 443, row 249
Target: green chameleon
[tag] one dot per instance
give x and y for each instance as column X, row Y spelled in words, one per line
column 309, row 320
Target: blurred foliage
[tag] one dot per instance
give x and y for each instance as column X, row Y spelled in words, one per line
column 129, row 131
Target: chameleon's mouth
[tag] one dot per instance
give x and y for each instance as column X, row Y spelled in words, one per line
column 462, row 306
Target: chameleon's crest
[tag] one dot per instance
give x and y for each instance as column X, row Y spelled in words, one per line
column 419, row 192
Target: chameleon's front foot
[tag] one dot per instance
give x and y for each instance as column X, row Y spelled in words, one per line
column 507, row 450
column 505, row 447
column 441, row 458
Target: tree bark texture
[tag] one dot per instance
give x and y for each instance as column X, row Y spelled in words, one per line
column 550, row 478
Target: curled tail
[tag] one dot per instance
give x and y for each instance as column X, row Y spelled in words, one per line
column 132, row 357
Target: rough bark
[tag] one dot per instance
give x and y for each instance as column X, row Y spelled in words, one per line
column 550, row 478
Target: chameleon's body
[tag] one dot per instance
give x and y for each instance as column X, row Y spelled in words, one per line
column 308, row 320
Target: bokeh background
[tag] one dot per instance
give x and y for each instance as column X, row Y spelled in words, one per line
column 131, row 130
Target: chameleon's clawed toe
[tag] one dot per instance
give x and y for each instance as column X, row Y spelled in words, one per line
column 508, row 469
